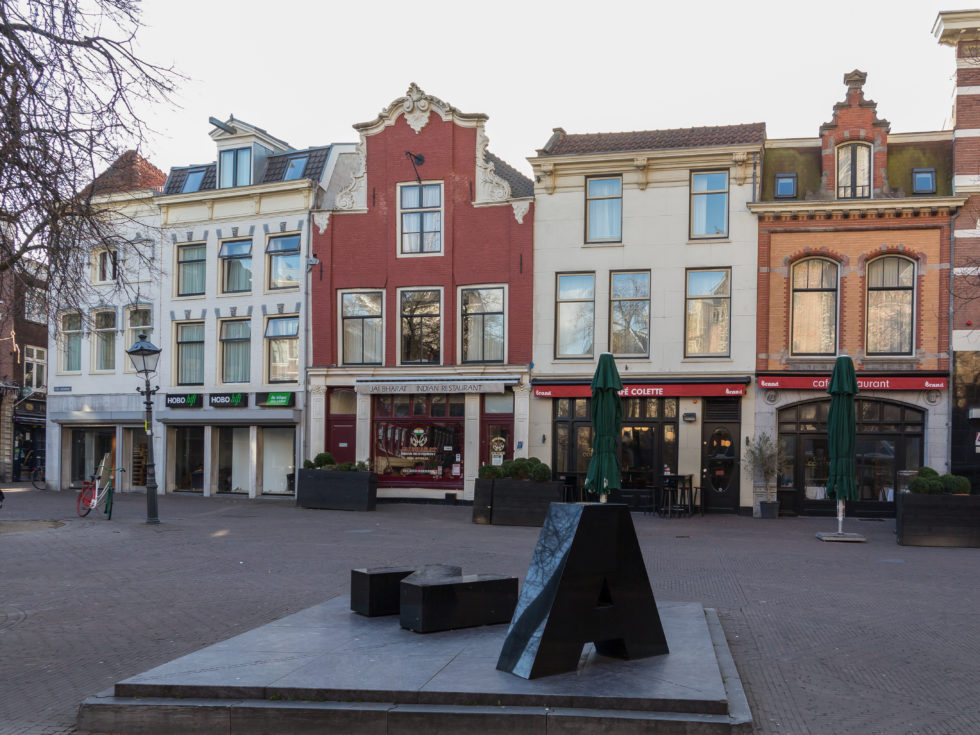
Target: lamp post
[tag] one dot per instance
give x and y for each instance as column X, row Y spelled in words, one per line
column 144, row 355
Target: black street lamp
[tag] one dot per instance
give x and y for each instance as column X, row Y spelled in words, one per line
column 144, row 355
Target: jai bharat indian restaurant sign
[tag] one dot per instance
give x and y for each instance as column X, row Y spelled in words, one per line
column 652, row 390
column 814, row 382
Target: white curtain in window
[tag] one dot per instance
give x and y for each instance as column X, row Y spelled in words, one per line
column 235, row 342
column 190, row 354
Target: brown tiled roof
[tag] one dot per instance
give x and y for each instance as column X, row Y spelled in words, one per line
column 563, row 144
column 129, row 172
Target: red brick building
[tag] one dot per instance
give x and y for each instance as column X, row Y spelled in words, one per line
column 421, row 302
column 854, row 259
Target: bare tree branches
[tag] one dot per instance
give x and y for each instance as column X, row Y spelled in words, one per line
column 69, row 79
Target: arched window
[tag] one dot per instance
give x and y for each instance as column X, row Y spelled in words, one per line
column 891, row 294
column 814, row 307
column 854, row 171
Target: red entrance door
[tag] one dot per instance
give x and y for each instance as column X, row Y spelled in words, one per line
column 340, row 439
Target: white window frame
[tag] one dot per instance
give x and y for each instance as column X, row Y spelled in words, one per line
column 132, row 333
column 220, row 377
column 442, row 324
column 266, row 351
column 867, row 305
column 97, row 333
column 225, row 260
column 792, row 306
column 853, row 144
column 176, row 342
column 269, row 288
column 98, row 265
column 459, row 322
column 35, row 356
column 340, row 325
column 442, row 221
column 63, row 336
column 177, row 269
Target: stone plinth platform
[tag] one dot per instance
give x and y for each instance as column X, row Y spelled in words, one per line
column 326, row 669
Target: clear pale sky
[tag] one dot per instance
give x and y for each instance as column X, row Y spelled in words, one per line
column 306, row 72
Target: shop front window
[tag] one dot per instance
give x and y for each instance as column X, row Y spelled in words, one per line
column 889, row 441
column 189, row 459
column 233, row 459
column 278, row 459
column 418, row 440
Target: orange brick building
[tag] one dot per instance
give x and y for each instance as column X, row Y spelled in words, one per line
column 854, row 259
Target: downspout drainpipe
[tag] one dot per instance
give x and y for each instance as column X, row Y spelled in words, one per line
column 952, row 362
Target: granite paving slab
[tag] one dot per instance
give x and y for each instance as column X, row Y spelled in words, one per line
column 326, row 652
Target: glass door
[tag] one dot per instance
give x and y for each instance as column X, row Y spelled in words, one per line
column 719, row 467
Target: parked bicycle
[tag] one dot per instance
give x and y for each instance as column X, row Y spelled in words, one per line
column 37, row 475
column 97, row 493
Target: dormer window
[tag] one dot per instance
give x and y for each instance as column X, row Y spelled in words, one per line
column 236, row 167
column 295, row 168
column 923, row 181
column 785, row 186
column 854, row 171
column 193, row 181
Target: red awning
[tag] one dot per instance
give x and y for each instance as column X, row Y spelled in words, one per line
column 820, row 382
column 645, row 390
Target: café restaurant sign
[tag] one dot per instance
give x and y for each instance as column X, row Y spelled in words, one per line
column 647, row 390
column 820, row 382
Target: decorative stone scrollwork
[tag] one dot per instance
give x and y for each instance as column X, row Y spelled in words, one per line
column 520, row 209
column 547, row 177
column 416, row 108
column 771, row 397
column 741, row 161
column 490, row 187
column 321, row 220
column 356, row 190
column 640, row 164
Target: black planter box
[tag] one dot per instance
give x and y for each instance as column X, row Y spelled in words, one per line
column 768, row 509
column 335, row 490
column 937, row 520
column 482, row 500
column 514, row 502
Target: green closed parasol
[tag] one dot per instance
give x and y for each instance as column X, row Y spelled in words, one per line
column 607, row 418
column 841, row 442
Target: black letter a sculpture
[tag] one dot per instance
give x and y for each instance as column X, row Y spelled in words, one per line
column 587, row 583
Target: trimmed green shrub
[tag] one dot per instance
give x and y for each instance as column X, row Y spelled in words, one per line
column 323, row 459
column 955, row 484
column 362, row 466
column 927, row 472
column 308, row 464
column 489, row 472
column 926, row 485
column 540, row 472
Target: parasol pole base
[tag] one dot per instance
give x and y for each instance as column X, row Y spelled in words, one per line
column 852, row 537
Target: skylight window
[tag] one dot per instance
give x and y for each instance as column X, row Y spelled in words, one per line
column 193, row 181
column 295, row 168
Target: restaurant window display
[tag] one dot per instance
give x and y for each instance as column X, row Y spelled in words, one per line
column 889, row 441
column 497, row 428
column 647, row 442
column 418, row 440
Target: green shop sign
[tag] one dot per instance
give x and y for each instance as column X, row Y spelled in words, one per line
column 228, row 400
column 275, row 400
